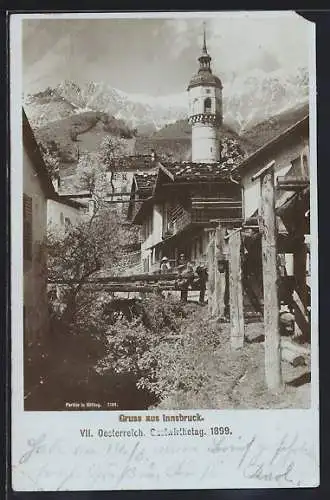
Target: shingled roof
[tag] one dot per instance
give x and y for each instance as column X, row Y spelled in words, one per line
column 231, row 155
column 188, row 171
column 145, row 182
column 135, row 162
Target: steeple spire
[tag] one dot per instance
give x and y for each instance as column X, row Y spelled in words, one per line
column 204, row 39
column 204, row 59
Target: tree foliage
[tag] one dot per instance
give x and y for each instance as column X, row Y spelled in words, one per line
column 111, row 149
column 51, row 157
column 91, row 177
column 84, row 249
column 165, row 349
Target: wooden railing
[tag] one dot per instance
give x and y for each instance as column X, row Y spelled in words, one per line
column 144, row 282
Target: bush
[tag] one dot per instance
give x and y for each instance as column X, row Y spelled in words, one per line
column 167, row 348
column 163, row 314
column 183, row 364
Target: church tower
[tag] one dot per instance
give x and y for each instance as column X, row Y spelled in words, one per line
column 205, row 111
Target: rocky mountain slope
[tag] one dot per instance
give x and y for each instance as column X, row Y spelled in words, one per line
column 75, row 119
column 247, row 100
column 174, row 140
column 82, row 132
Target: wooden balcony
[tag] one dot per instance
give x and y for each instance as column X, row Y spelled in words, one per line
column 202, row 211
column 182, row 220
column 178, row 219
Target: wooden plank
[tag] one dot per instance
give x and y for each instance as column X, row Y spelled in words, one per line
column 128, row 287
column 236, row 292
column 125, row 279
column 142, row 288
column 273, row 370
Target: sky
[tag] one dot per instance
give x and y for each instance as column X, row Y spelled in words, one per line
column 157, row 56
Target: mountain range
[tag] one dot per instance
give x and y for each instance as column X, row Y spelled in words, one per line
column 247, row 100
column 72, row 118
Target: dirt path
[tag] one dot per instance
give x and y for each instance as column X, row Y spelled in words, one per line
column 237, row 380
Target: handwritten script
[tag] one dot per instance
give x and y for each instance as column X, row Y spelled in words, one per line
column 54, row 465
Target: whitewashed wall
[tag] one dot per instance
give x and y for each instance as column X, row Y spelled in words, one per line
column 57, row 213
column 251, row 189
column 35, row 277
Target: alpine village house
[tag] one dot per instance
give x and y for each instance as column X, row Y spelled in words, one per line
column 42, row 208
column 179, row 205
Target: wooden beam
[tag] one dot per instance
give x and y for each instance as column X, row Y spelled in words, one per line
column 229, row 235
column 236, row 291
column 273, row 367
column 212, row 180
column 123, row 279
column 113, row 287
column 292, row 183
column 263, row 170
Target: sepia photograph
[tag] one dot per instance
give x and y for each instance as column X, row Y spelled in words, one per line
column 167, row 243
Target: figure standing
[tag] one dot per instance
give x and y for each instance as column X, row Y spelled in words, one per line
column 187, row 273
column 201, row 272
column 164, row 265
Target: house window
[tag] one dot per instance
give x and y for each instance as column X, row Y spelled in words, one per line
column 27, row 227
column 165, row 218
column 67, row 222
column 148, row 226
column 62, row 218
column 207, row 105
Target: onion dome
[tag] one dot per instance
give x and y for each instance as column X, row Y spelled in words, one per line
column 205, row 77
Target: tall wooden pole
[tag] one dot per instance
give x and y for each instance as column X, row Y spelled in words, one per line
column 219, row 277
column 236, row 291
column 300, row 290
column 211, row 274
column 273, row 370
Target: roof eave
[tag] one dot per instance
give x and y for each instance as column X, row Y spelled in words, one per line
column 269, row 145
column 35, row 156
column 140, row 214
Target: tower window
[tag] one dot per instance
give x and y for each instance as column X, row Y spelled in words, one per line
column 207, row 105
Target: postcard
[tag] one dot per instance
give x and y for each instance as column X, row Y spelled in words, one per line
column 164, row 268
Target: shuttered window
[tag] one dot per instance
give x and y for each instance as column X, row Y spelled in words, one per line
column 27, row 227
